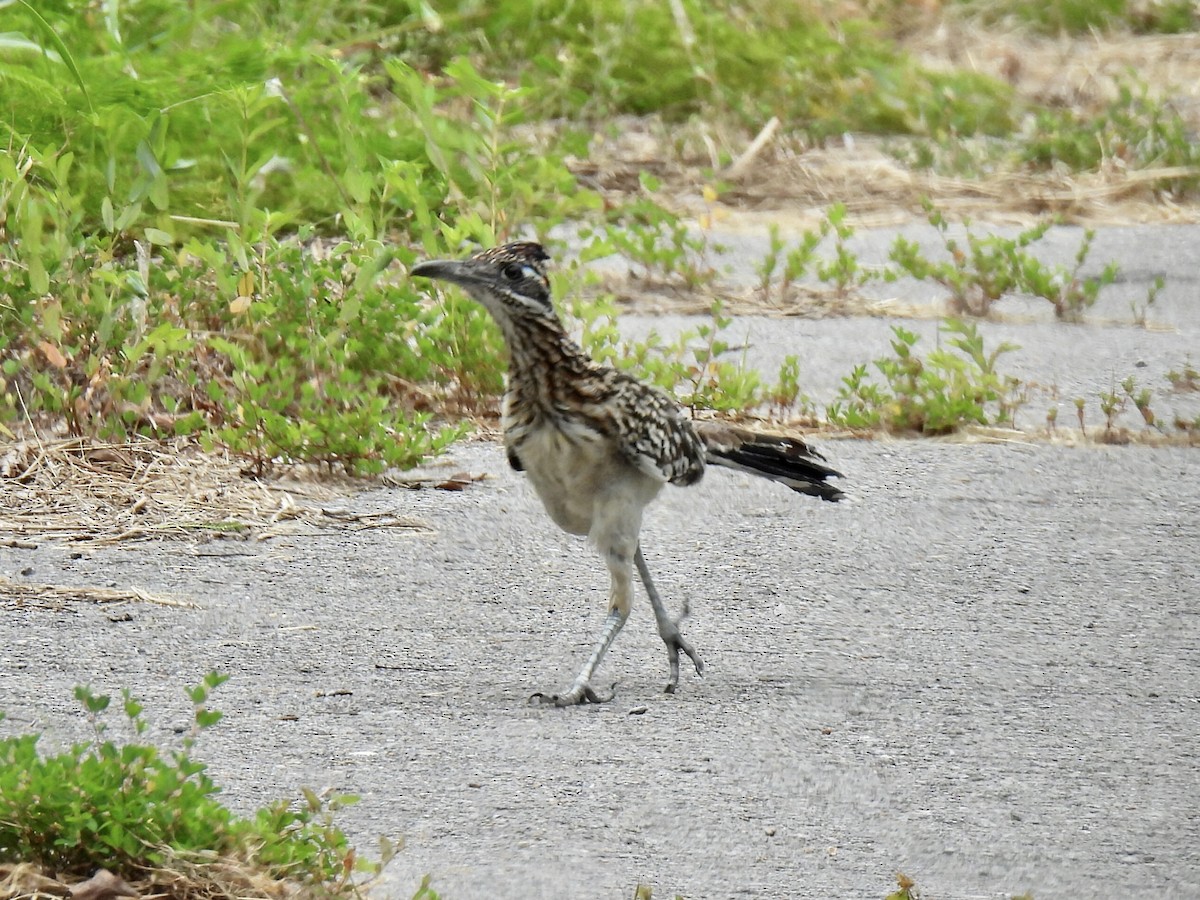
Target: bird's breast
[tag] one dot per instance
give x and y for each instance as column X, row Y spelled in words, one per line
column 568, row 469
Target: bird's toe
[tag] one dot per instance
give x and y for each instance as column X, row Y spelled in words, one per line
column 578, row 695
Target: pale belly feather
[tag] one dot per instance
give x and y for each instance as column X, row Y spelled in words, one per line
column 579, row 479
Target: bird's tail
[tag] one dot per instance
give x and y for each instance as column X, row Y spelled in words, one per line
column 784, row 459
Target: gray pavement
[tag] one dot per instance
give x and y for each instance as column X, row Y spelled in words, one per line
column 982, row 670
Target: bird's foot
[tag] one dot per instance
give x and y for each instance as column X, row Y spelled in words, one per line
column 580, row 693
column 673, row 638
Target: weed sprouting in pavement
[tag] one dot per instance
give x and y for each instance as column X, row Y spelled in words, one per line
column 153, row 817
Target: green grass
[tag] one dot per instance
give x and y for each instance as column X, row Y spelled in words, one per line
column 145, row 814
column 1134, row 130
column 1083, row 16
column 208, row 210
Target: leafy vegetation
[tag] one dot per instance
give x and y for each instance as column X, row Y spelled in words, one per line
column 953, row 386
column 1134, row 130
column 993, row 266
column 207, row 210
column 131, row 808
column 745, row 61
column 274, row 347
column 1082, row 16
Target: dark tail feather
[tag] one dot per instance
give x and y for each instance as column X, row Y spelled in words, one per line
column 787, row 460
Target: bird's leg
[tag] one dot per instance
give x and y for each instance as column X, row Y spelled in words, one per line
column 668, row 628
column 619, row 602
column 581, row 690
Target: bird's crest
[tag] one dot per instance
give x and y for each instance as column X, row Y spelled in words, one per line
column 519, row 261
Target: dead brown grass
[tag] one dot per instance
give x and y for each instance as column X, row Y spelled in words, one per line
column 192, row 877
column 96, row 493
column 785, row 171
column 27, row 595
column 1077, row 71
column 876, row 188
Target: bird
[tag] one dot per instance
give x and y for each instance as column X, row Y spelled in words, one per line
column 597, row 444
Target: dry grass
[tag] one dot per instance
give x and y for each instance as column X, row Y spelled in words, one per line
column 208, row 877
column 785, row 172
column 27, row 595
column 78, row 489
column 85, row 491
column 788, row 175
column 1077, row 71
column 877, row 190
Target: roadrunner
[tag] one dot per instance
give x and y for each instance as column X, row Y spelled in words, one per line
column 598, row 445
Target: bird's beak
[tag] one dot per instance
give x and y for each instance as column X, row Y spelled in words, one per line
column 453, row 270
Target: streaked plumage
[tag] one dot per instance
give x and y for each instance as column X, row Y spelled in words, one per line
column 597, row 444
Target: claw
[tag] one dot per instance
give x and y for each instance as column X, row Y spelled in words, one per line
column 675, row 642
column 578, row 695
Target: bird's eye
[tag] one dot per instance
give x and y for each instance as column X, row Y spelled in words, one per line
column 514, row 272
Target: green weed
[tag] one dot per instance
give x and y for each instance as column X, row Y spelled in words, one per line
column 1141, row 311
column 843, row 270
column 115, row 322
column 992, row 266
column 952, row 387
column 698, row 366
column 1134, row 131
column 1140, row 398
column 1184, row 379
column 664, row 249
column 797, row 261
column 206, row 211
column 906, row 888
column 783, row 266
column 1083, row 16
column 743, row 62
column 130, row 807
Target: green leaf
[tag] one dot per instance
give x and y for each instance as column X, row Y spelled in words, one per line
column 14, row 44
column 62, row 48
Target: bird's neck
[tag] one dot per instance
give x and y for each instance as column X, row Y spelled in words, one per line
column 541, row 357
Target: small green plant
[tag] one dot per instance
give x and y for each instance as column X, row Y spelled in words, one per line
column 1185, row 379
column 785, row 395
column 906, row 888
column 796, row 263
column 843, row 270
column 977, row 276
column 992, row 266
column 1112, row 404
column 132, row 808
column 665, row 249
column 1142, row 310
column 695, row 366
column 1115, row 401
column 766, row 268
column 1135, row 131
column 1189, row 427
column 800, row 258
column 954, row 386
column 1140, row 398
column 1068, row 291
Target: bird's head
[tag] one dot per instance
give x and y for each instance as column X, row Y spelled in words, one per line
column 509, row 280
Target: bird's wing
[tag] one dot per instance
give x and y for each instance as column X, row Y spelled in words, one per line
column 653, row 432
